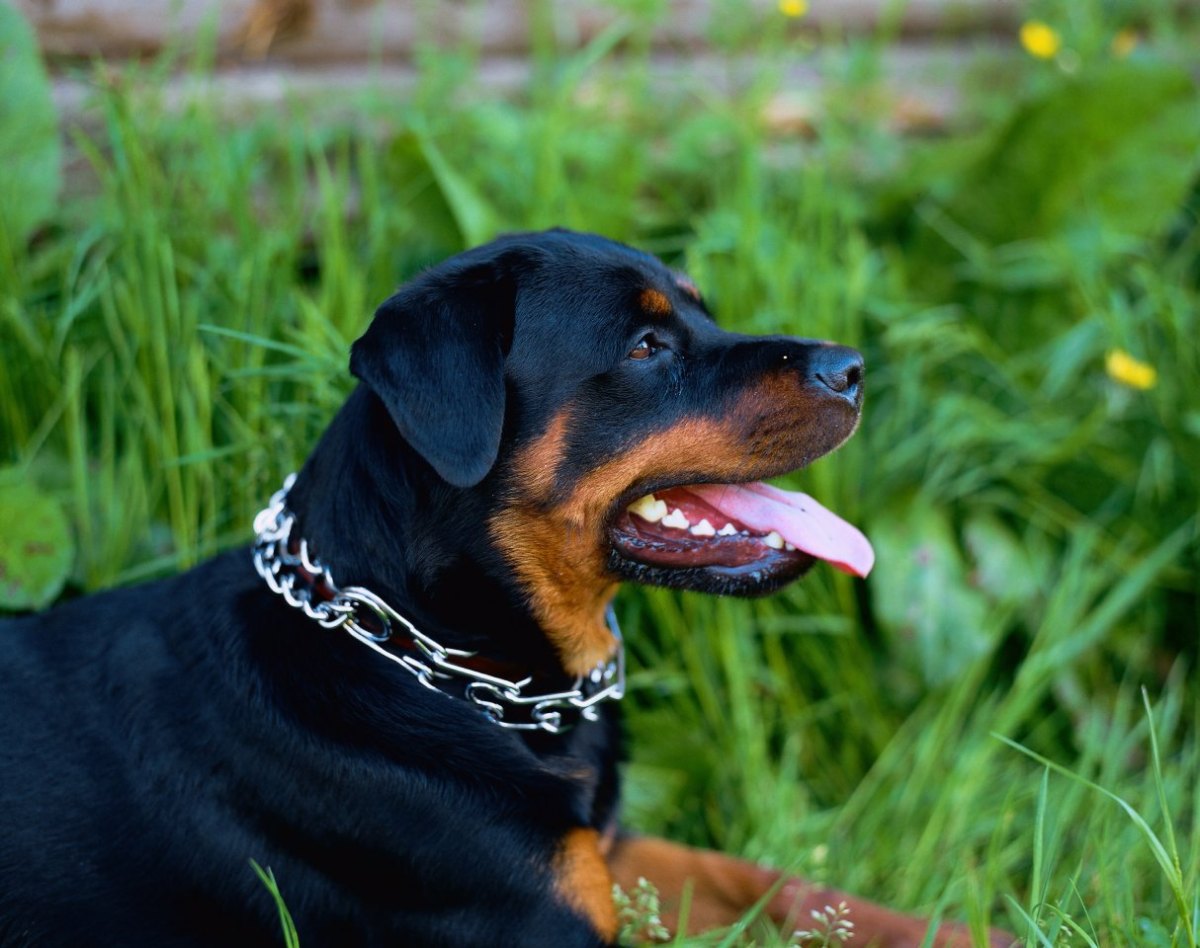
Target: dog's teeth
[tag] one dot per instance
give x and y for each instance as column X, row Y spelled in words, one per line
column 774, row 540
column 649, row 509
column 789, row 547
column 676, row 519
column 727, row 531
column 703, row 529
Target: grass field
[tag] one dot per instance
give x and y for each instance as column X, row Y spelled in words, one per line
column 1003, row 723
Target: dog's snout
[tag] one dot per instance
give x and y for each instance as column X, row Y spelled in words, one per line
column 839, row 369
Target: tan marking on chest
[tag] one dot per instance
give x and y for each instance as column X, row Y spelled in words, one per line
column 583, row 881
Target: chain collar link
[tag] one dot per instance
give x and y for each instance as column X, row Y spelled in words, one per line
column 373, row 622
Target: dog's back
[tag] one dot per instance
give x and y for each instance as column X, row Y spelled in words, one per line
column 107, row 720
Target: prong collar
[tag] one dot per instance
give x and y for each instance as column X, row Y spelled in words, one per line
column 293, row 572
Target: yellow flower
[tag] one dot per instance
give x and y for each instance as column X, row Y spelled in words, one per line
column 1040, row 40
column 793, row 8
column 1124, row 42
column 1124, row 368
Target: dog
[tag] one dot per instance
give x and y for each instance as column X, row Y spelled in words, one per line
column 403, row 697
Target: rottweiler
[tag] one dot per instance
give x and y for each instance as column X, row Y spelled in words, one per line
column 403, row 697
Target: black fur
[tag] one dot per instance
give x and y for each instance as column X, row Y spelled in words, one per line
column 155, row 739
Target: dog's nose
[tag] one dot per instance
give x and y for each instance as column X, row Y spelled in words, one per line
column 839, row 369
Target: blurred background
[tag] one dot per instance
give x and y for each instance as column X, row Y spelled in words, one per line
column 201, row 203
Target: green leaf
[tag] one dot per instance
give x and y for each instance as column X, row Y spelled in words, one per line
column 1116, row 146
column 29, row 148
column 922, row 595
column 474, row 216
column 454, row 214
column 36, row 549
column 1003, row 569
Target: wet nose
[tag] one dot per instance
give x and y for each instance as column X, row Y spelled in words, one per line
column 839, row 369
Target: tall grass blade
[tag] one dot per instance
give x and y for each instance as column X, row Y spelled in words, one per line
column 291, row 938
column 1164, row 859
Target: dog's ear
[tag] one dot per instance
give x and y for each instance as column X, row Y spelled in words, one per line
column 434, row 354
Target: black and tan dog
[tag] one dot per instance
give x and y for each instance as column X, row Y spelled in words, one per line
column 401, row 699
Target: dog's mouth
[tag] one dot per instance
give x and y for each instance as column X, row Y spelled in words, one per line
column 731, row 538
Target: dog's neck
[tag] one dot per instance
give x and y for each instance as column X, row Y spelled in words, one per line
column 379, row 517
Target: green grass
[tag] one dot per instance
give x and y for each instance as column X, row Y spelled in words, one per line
column 964, row 735
column 291, row 937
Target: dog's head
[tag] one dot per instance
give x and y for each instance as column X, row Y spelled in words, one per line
column 580, row 392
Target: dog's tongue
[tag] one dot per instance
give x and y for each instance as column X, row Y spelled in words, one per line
column 799, row 519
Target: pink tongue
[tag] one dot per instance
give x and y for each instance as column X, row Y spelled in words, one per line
column 799, row 519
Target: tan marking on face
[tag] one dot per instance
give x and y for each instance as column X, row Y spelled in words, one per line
column 654, row 303
column 563, row 571
column 554, row 538
column 539, row 461
column 583, row 881
column 558, row 549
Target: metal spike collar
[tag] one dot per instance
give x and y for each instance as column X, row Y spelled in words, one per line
column 289, row 569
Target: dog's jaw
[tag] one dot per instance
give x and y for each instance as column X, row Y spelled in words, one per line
column 555, row 524
column 555, row 535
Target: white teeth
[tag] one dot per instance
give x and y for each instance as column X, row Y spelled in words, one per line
column 676, row 519
column 653, row 510
column 649, row 509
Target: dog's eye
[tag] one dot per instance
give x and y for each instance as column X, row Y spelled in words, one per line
column 645, row 348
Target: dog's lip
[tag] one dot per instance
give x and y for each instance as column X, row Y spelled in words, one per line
column 767, row 572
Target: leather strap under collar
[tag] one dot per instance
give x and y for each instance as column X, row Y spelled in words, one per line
column 496, row 688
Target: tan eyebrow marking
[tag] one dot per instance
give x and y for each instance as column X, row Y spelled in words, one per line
column 654, row 303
